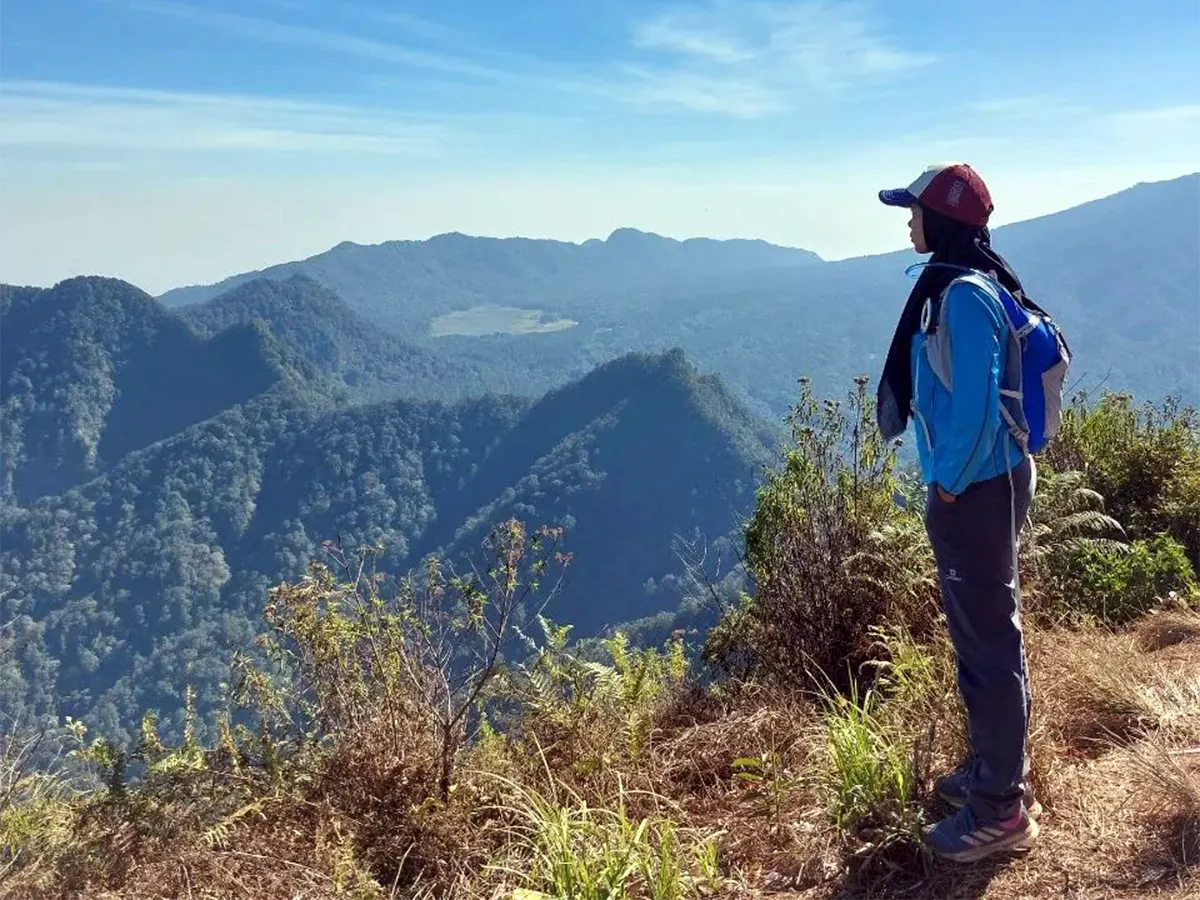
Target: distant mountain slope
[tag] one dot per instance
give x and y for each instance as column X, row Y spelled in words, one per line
column 640, row 452
column 94, row 368
column 138, row 582
column 372, row 364
column 406, row 284
column 1120, row 273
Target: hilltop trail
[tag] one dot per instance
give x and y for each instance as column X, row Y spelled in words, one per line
column 1107, row 833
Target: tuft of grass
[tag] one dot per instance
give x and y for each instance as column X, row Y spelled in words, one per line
column 699, row 759
column 1173, row 776
column 1095, row 686
column 919, row 682
column 872, row 777
column 1079, row 699
column 1171, row 779
column 562, row 846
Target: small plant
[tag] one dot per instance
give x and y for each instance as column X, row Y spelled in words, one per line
column 109, row 760
column 406, row 661
column 37, row 817
column 897, row 560
column 919, row 682
column 871, row 776
column 564, row 847
column 619, row 698
column 769, row 777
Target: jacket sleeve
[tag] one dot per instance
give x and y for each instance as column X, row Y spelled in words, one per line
column 966, row 439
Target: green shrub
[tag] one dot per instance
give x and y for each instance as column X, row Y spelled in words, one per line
column 830, row 551
column 1115, row 583
column 593, row 712
column 1144, row 460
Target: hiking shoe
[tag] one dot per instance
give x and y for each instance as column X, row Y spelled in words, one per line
column 953, row 789
column 962, row 838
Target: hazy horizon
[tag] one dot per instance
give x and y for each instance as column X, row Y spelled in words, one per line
column 899, row 246
column 170, row 143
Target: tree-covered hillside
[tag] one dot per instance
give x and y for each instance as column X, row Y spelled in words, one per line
column 1121, row 274
column 94, row 368
column 121, row 591
column 370, row 363
column 405, row 284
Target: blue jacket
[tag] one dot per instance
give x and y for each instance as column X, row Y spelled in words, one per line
column 961, row 437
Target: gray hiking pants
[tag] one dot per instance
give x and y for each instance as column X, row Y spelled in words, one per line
column 973, row 543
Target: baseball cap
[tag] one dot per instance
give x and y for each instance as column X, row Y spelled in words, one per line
column 952, row 189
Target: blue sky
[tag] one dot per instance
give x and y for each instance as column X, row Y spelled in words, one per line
column 176, row 141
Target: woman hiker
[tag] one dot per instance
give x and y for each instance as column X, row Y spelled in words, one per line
column 945, row 368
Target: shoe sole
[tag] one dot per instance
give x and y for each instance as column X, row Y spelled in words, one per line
column 1020, row 840
column 1034, row 809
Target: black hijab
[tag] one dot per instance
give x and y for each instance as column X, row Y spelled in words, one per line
column 953, row 243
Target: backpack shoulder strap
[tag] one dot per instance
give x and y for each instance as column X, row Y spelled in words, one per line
column 938, row 344
column 1020, row 322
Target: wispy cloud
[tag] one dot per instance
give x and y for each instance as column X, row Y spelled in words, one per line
column 419, row 26
column 754, row 58
column 1165, row 116
column 743, row 96
column 1028, row 106
column 47, row 114
column 289, row 5
column 273, row 31
column 743, row 59
column 677, row 33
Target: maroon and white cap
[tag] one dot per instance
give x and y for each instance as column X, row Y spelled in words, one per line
column 952, row 189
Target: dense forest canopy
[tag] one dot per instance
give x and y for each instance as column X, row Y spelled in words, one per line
column 148, row 511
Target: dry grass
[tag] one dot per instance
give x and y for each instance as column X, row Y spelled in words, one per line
column 274, row 855
column 1168, row 628
column 1093, row 687
column 697, row 759
column 1171, row 775
column 1117, row 762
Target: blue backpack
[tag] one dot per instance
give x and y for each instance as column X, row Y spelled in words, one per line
column 1037, row 360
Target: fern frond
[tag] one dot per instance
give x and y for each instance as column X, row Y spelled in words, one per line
column 218, row 834
column 1087, row 521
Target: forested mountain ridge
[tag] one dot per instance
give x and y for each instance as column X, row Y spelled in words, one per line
column 404, row 284
column 94, row 368
column 1120, row 274
column 371, row 364
column 121, row 591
